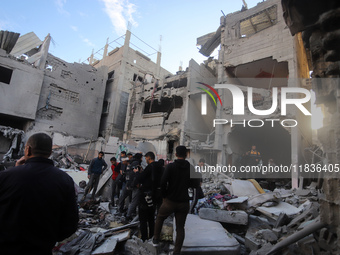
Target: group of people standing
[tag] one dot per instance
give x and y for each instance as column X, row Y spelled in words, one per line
column 154, row 190
column 38, row 201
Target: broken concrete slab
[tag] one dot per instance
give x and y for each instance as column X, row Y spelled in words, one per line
column 282, row 220
column 233, row 217
column 263, row 251
column 107, row 248
column 104, row 178
column 258, row 200
column 267, row 235
column 310, row 213
column 207, row 237
column 77, row 176
column 274, row 211
column 303, row 192
column 252, row 243
column 238, row 200
column 136, row 246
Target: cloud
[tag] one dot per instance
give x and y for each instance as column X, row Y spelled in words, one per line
column 88, row 42
column 82, row 14
column 120, row 13
column 60, row 6
column 74, row 28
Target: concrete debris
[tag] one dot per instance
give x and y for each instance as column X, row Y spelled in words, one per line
column 274, row 211
column 12, row 144
column 205, row 236
column 262, row 199
column 233, row 217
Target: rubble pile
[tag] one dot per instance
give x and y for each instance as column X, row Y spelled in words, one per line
column 100, row 231
column 281, row 221
column 64, row 160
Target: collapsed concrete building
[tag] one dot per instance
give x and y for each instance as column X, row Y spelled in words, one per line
column 79, row 104
column 41, row 92
column 126, row 68
column 257, row 51
column 165, row 112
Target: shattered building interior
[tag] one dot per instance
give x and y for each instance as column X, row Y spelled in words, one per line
column 134, row 103
column 164, row 112
column 258, row 51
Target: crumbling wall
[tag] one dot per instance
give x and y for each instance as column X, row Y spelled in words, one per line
column 319, row 21
column 273, row 41
column 128, row 66
column 20, row 93
column 71, row 99
column 156, row 110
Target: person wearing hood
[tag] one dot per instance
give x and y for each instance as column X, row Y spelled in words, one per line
column 127, row 190
column 176, row 181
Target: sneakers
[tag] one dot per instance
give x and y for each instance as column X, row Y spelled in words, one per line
column 155, row 242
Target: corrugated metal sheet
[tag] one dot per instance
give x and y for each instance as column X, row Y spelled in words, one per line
column 26, row 43
column 8, row 40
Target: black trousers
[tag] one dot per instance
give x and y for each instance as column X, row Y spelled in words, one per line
column 115, row 190
column 146, row 220
column 93, row 184
column 181, row 210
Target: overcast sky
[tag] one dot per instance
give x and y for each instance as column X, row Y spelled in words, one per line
column 78, row 26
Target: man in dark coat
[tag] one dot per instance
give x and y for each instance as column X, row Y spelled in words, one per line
column 175, row 183
column 37, row 202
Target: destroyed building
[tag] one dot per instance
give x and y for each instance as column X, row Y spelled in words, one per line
column 126, row 68
column 164, row 112
column 76, row 103
column 41, row 92
column 257, row 51
column 317, row 22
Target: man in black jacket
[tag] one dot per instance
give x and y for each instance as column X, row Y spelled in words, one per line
column 37, row 202
column 148, row 182
column 174, row 184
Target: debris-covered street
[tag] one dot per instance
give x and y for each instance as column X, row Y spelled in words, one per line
column 115, row 154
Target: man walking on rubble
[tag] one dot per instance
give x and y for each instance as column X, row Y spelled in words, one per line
column 175, row 183
column 37, row 201
column 130, row 189
column 148, row 182
column 96, row 168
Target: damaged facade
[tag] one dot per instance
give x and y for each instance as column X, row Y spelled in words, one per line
column 126, row 68
column 318, row 25
column 164, row 112
column 44, row 93
column 258, row 51
column 80, row 105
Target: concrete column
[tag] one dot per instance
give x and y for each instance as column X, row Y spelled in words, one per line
column 106, row 48
column 40, row 63
column 158, row 68
column 121, row 79
column 91, row 58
